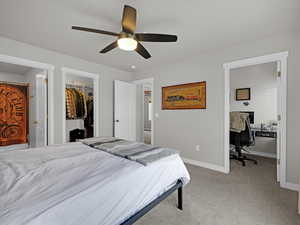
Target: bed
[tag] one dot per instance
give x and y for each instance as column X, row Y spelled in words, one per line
column 76, row 184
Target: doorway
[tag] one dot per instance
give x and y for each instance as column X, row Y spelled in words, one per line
column 147, row 113
column 145, row 110
column 49, row 72
column 280, row 59
column 24, row 105
column 81, row 109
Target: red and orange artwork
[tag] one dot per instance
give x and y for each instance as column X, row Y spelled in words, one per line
column 13, row 114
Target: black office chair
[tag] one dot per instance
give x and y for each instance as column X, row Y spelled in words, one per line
column 240, row 141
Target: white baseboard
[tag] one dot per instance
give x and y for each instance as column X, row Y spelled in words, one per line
column 204, row 165
column 290, row 186
column 263, row 154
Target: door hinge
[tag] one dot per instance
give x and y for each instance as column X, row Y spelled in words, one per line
column 278, row 161
column 279, row 73
column 278, row 117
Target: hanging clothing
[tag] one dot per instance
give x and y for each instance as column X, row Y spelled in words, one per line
column 75, row 104
column 70, row 105
column 83, row 100
column 89, row 120
column 79, row 105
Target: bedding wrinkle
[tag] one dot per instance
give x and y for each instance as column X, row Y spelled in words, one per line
column 9, row 175
column 45, row 171
column 69, row 198
column 74, row 184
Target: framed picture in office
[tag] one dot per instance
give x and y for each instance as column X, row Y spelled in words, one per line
column 242, row 94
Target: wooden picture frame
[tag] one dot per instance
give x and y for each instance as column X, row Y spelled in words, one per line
column 242, row 94
column 184, row 96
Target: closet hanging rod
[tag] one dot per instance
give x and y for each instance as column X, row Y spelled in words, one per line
column 77, row 86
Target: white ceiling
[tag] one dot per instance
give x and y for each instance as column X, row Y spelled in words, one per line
column 200, row 25
column 14, row 69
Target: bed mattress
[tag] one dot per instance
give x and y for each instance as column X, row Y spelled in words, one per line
column 76, row 184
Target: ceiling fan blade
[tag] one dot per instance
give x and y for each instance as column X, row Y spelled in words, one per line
column 109, row 47
column 94, row 30
column 129, row 19
column 156, row 37
column 142, row 51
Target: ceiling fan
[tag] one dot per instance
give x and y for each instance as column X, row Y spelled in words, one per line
column 127, row 39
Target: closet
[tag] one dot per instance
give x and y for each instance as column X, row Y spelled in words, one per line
column 23, row 107
column 79, row 94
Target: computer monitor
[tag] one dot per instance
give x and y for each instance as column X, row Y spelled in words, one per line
column 251, row 116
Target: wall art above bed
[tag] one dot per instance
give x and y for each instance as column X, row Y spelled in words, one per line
column 184, row 96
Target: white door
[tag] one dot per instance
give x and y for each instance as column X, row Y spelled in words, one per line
column 278, row 144
column 41, row 111
column 125, row 110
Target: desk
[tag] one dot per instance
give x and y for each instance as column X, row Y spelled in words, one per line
column 264, row 133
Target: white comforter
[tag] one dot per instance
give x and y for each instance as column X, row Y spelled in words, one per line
column 75, row 184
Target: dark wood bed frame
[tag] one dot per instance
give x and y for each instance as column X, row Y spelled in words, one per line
column 151, row 205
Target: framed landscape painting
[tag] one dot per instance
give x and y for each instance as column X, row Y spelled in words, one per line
column 184, row 96
column 242, row 94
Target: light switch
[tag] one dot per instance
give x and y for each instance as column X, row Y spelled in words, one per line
column 156, row 115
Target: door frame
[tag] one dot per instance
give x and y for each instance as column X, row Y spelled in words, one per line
column 147, row 81
column 96, row 79
column 282, row 58
column 50, row 76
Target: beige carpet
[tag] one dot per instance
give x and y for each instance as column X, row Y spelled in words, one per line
column 247, row 196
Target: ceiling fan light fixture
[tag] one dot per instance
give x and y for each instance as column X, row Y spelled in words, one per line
column 128, row 39
column 127, row 43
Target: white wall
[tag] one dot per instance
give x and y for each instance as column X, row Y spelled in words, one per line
column 12, row 77
column 107, row 75
column 262, row 79
column 184, row 129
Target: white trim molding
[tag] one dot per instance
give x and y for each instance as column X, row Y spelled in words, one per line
column 50, row 75
column 204, row 165
column 256, row 60
column 143, row 81
column 96, row 78
column 277, row 57
column 291, row 186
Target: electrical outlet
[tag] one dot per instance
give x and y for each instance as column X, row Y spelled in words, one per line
column 197, row 148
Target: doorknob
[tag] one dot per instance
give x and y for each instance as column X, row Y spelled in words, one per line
column 117, row 121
